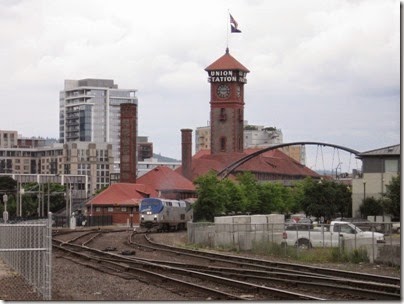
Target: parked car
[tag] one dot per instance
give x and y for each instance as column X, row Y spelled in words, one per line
column 331, row 237
column 396, row 227
column 302, row 224
column 363, row 224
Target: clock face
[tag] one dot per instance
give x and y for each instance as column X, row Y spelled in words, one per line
column 223, row 91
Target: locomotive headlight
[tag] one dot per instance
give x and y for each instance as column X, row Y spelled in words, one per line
column 148, row 212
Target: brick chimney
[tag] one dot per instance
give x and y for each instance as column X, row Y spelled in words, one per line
column 128, row 143
column 186, row 137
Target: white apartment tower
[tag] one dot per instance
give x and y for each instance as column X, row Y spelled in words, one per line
column 90, row 112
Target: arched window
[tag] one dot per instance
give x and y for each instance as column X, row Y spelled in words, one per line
column 223, row 144
column 240, row 114
column 222, row 116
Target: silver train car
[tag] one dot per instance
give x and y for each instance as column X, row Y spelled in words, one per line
column 164, row 214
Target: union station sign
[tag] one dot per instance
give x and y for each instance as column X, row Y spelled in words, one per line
column 227, row 76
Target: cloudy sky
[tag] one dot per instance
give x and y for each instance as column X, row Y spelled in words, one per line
column 326, row 70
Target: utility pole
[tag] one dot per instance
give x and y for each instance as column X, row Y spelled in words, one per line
column 48, row 209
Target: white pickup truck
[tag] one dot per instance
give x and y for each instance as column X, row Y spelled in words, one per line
column 327, row 235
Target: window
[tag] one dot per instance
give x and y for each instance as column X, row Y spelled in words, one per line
column 123, row 209
column 223, row 144
column 344, row 228
column 98, row 209
column 222, row 116
column 240, row 115
column 110, row 209
column 391, row 165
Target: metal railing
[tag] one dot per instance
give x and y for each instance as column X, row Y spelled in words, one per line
column 26, row 248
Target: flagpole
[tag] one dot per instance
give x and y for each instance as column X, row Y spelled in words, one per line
column 227, row 26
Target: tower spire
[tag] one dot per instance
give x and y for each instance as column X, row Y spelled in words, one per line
column 227, row 50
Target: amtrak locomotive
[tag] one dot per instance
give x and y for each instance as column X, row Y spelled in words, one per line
column 164, row 214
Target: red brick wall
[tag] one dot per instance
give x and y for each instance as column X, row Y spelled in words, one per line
column 128, row 143
column 118, row 216
column 186, row 138
column 124, row 217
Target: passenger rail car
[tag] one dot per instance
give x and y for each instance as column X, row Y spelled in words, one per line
column 164, row 214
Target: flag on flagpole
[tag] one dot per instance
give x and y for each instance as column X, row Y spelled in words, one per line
column 234, row 25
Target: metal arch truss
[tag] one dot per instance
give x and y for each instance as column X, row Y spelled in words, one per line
column 229, row 169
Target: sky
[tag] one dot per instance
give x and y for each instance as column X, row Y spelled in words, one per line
column 324, row 70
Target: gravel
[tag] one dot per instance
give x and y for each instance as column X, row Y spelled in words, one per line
column 74, row 282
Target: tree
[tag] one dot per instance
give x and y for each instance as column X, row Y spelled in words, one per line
column 371, row 206
column 8, row 186
column 391, row 203
column 275, row 197
column 343, row 200
column 208, row 203
column 246, row 195
column 57, row 196
column 324, row 198
column 249, row 187
column 236, row 200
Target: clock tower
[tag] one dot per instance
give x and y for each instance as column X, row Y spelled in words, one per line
column 227, row 78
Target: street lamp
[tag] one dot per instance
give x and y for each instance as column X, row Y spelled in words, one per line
column 5, row 213
column 68, row 198
column 336, row 170
column 364, row 190
column 22, row 191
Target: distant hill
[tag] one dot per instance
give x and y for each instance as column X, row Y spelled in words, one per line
column 161, row 158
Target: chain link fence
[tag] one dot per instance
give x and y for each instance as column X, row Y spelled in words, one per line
column 375, row 239
column 26, row 260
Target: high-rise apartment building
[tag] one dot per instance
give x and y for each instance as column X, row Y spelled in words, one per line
column 8, row 139
column 90, row 112
column 254, row 137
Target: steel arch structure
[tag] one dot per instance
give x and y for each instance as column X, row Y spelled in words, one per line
column 230, row 168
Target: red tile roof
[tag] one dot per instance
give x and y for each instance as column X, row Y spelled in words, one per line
column 123, row 194
column 226, row 62
column 271, row 162
column 163, row 178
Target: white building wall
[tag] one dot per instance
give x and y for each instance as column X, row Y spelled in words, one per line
column 370, row 185
column 151, row 163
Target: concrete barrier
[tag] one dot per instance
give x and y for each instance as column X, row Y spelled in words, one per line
column 389, row 254
column 240, row 231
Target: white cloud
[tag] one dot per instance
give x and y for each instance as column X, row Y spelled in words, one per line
column 314, row 65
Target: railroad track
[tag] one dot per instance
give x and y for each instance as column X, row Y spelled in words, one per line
column 209, row 286
column 334, row 284
column 304, row 281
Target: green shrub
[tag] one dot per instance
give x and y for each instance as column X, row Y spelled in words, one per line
column 313, row 255
column 358, row 255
